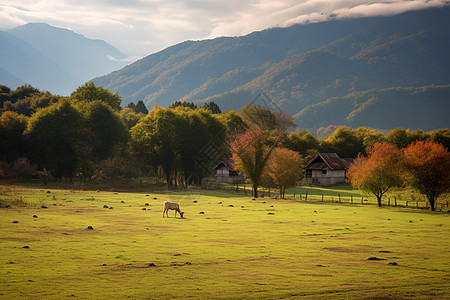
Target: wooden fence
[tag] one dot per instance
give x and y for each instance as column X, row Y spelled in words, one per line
column 329, row 197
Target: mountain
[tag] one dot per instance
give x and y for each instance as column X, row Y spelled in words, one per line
column 54, row 59
column 305, row 65
column 22, row 63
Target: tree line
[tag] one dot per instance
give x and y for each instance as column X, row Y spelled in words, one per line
column 89, row 136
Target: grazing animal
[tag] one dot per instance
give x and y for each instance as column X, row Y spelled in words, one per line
column 172, row 206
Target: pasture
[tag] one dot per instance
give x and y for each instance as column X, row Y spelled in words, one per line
column 227, row 247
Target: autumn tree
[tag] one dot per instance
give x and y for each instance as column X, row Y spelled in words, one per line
column 285, row 167
column 428, row 165
column 251, row 150
column 251, row 153
column 377, row 172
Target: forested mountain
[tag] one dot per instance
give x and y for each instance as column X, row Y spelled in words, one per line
column 52, row 58
column 365, row 63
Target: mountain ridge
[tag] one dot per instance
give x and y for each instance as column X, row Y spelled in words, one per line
column 53, row 59
column 297, row 66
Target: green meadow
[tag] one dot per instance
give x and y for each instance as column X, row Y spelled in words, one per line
column 227, row 247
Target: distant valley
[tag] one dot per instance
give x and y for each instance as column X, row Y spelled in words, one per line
column 53, row 59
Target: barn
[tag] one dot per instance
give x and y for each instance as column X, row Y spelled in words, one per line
column 225, row 172
column 326, row 169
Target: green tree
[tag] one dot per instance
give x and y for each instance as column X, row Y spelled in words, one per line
column 401, row 137
column 368, row 136
column 141, row 108
column 89, row 92
column 302, row 142
column 130, row 117
column 441, row 136
column 177, row 103
column 13, row 144
column 212, row 107
column 153, row 141
column 344, row 142
column 109, row 132
column 56, row 136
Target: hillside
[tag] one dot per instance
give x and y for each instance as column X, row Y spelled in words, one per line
column 304, row 65
column 54, row 59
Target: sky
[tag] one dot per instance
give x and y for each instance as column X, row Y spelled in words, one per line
column 142, row 27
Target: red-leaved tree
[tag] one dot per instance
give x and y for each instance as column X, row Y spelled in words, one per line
column 251, row 151
column 379, row 171
column 428, row 165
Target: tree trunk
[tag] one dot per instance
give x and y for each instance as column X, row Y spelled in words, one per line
column 255, row 191
column 379, row 200
column 432, row 201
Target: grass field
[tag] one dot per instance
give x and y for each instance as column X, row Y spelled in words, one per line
column 227, row 247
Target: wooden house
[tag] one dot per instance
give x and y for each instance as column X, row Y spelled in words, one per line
column 225, row 172
column 326, row 169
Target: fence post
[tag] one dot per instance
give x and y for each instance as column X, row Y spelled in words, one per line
column 417, row 204
column 306, row 196
column 406, row 203
column 351, row 198
column 362, row 199
column 300, row 196
column 339, row 195
column 395, row 198
column 389, row 201
column 322, row 197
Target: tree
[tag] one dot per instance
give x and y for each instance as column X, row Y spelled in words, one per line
column 441, row 136
column 251, row 150
column 368, row 136
column 285, row 167
column 185, row 143
column 177, row 103
column 13, row 144
column 302, row 142
column 58, row 139
column 130, row 117
column 378, row 172
column 212, row 107
column 401, row 137
column 109, row 132
column 344, row 142
column 428, row 165
column 89, row 92
column 251, row 153
column 141, row 108
column 153, row 141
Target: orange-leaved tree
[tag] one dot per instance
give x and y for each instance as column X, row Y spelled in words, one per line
column 251, row 153
column 251, row 147
column 285, row 167
column 428, row 165
column 377, row 172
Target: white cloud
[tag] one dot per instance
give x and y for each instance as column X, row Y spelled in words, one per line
column 140, row 27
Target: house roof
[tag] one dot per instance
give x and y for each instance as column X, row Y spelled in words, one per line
column 228, row 163
column 332, row 160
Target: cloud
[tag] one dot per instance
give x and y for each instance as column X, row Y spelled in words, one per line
column 141, row 27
